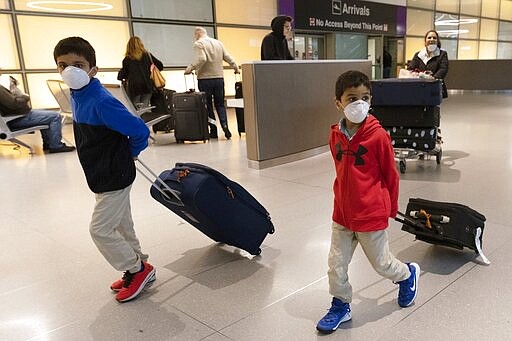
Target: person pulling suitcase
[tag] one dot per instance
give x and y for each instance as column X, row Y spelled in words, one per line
column 208, row 62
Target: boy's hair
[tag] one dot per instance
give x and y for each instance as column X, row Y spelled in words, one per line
column 76, row 45
column 351, row 79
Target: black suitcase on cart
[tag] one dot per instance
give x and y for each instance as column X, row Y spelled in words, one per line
column 443, row 223
column 191, row 117
column 422, row 139
column 217, row 206
column 407, row 116
column 240, row 119
column 407, row 91
column 162, row 100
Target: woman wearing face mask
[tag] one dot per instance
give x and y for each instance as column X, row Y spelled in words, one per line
column 135, row 72
column 431, row 58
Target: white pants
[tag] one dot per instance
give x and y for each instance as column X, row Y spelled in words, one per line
column 112, row 230
column 376, row 247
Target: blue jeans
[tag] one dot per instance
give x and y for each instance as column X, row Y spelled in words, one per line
column 141, row 101
column 52, row 137
column 214, row 87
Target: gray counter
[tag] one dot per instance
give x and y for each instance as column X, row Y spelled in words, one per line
column 289, row 107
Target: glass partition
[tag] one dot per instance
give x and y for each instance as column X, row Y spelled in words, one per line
column 505, row 31
column 468, row 49
column 248, row 12
column 422, row 22
column 506, row 10
column 490, row 8
column 242, row 43
column 187, row 10
column 471, row 7
column 351, row 46
column 172, row 44
column 107, row 37
column 504, row 50
column 469, row 27
column 487, row 50
column 489, row 29
column 448, row 6
column 428, row 4
column 447, row 25
column 8, row 57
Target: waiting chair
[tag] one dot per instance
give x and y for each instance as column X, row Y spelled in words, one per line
column 62, row 95
column 117, row 90
column 11, row 135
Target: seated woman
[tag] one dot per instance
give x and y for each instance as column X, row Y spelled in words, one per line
column 431, row 58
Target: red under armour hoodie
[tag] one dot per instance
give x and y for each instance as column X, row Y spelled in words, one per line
column 366, row 184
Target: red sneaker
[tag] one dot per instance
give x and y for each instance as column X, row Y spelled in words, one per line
column 118, row 285
column 134, row 283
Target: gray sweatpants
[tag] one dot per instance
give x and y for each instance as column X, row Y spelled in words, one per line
column 112, row 230
column 376, row 247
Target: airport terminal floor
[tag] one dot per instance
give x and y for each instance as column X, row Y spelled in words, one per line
column 54, row 284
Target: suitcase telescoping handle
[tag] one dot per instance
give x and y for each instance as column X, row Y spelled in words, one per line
column 193, row 88
column 175, row 195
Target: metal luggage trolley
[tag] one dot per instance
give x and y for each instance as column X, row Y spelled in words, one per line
column 408, row 109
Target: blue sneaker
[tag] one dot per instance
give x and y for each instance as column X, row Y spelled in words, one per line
column 339, row 313
column 409, row 287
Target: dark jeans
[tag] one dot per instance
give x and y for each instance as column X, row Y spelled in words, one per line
column 214, row 89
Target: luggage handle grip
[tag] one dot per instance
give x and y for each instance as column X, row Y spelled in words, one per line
column 193, row 89
column 165, row 192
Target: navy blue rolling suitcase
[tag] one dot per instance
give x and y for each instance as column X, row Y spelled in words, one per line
column 407, row 91
column 220, row 208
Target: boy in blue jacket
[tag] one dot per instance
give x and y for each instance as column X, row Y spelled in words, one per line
column 108, row 140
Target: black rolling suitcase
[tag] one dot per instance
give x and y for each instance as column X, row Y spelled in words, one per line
column 240, row 119
column 443, row 223
column 162, row 100
column 191, row 116
column 423, row 139
column 220, row 208
column 406, row 91
column 407, row 116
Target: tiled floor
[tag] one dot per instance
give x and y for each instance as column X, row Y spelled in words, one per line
column 54, row 283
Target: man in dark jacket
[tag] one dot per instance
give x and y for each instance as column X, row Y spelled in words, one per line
column 275, row 46
column 17, row 104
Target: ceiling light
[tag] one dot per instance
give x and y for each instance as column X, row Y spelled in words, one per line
column 455, row 22
column 80, row 6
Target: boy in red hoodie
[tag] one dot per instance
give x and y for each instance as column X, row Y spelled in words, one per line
column 365, row 197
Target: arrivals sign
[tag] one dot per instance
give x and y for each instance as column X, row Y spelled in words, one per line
column 349, row 16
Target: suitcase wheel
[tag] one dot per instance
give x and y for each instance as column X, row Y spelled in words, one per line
column 403, row 167
column 258, row 252
column 180, row 141
column 438, row 157
column 272, row 230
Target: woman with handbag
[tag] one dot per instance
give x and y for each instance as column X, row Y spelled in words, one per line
column 136, row 72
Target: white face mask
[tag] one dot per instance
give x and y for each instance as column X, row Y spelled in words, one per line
column 356, row 111
column 75, row 78
column 431, row 47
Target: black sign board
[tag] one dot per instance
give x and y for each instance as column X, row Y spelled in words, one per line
column 349, row 16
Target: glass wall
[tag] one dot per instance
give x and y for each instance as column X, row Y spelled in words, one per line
column 186, row 10
column 166, row 28
column 469, row 29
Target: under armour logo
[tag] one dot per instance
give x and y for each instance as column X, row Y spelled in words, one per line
column 360, row 152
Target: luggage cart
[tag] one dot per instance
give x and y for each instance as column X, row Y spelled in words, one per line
column 409, row 110
column 411, row 143
column 403, row 154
